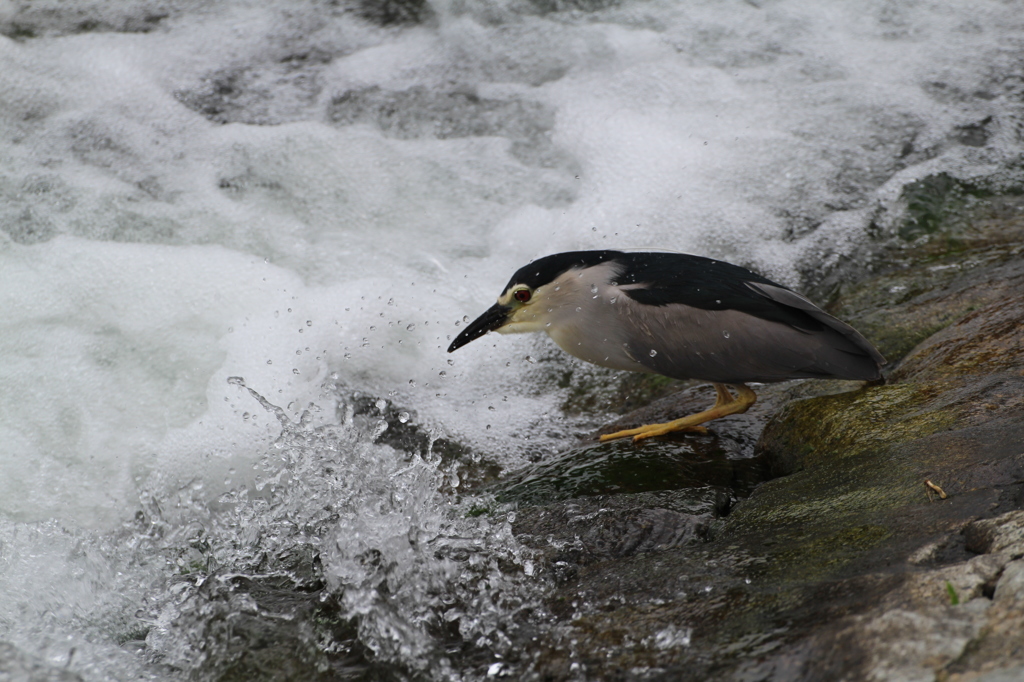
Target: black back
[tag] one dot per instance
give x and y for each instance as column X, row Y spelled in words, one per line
column 669, row 278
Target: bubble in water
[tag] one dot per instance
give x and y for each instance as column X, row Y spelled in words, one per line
column 381, row 404
column 653, row 352
column 403, row 417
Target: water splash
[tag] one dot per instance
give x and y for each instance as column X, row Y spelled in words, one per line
column 400, row 565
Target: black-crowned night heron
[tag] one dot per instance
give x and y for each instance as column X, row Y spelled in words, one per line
column 681, row 316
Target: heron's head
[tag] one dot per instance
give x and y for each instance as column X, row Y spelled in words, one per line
column 539, row 294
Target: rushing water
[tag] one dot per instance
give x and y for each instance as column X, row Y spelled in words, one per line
column 236, row 237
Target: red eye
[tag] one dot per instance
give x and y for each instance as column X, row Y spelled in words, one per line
column 522, row 295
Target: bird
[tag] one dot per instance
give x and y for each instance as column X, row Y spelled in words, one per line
column 680, row 316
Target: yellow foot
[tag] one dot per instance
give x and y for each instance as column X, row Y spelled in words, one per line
column 648, row 431
column 725, row 405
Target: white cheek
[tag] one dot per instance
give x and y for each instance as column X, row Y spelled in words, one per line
column 522, row 326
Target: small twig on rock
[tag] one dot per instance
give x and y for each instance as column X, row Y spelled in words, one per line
column 940, row 491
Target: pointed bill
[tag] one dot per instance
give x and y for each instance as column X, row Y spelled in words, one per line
column 494, row 318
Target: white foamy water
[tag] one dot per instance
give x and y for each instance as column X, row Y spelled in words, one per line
column 294, row 194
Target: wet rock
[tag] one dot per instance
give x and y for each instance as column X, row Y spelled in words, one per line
column 987, row 341
column 703, row 466
column 398, row 427
column 973, row 260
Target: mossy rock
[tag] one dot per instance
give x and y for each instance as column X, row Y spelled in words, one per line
column 619, row 467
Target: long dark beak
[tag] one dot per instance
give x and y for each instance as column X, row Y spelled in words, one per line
column 495, row 316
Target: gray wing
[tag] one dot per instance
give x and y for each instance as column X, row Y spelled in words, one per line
column 729, row 346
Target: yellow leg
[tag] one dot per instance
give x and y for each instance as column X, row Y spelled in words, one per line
column 725, row 404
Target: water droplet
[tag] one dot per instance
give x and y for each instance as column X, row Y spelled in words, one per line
column 725, row 333
column 442, row 373
column 465, row 318
column 653, row 352
column 593, row 288
column 529, row 359
column 309, row 323
column 373, row 328
column 295, row 371
column 613, row 299
column 450, row 361
column 403, row 417
column 391, row 301
column 579, row 309
column 410, row 328
column 412, row 382
column 381, row 404
column 270, row 362
column 236, row 381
